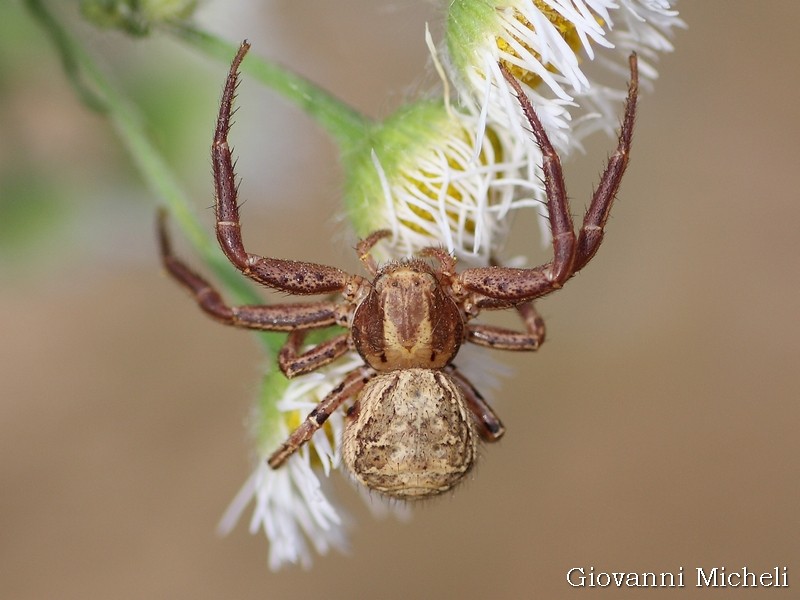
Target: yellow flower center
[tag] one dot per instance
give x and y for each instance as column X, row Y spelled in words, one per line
column 427, row 183
column 565, row 27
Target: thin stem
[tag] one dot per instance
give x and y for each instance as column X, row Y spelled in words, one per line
column 95, row 88
column 64, row 46
column 347, row 126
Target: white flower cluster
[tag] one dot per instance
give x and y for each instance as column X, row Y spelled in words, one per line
column 290, row 505
column 549, row 45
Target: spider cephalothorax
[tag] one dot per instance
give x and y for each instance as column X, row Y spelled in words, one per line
column 414, row 418
column 408, row 319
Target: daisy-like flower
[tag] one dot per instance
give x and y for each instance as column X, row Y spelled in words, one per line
column 424, row 176
column 291, row 506
column 548, row 45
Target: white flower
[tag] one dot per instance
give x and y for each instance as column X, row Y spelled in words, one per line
column 291, row 506
column 548, row 45
column 437, row 174
column 452, row 187
column 291, row 509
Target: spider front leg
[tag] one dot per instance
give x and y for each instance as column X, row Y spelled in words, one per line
column 591, row 233
column 277, row 317
column 493, row 284
column 290, row 276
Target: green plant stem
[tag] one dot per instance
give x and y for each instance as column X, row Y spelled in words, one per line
column 69, row 62
column 101, row 95
column 348, row 127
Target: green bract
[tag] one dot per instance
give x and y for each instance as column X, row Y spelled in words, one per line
column 396, row 144
column 468, row 24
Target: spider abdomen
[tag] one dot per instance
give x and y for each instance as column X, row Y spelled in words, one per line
column 410, row 434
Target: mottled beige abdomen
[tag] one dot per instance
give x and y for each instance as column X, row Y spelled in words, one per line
column 414, row 436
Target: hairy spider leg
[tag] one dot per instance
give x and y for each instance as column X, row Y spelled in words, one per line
column 490, row 427
column 294, row 277
column 591, row 234
column 276, row 317
column 293, row 363
column 501, row 338
column 569, row 255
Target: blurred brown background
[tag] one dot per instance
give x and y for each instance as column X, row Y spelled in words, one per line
column 656, row 429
